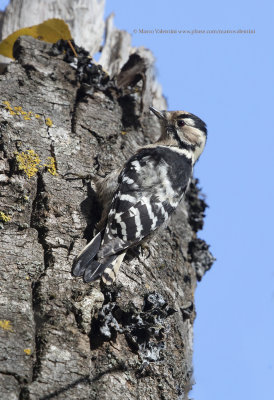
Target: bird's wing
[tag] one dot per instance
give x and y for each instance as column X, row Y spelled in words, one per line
column 151, row 186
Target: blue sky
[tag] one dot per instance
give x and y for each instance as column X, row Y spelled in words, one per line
column 225, row 79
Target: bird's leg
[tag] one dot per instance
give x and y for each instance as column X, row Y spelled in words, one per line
column 144, row 246
column 138, row 251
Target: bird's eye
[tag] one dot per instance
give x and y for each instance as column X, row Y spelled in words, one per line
column 181, row 122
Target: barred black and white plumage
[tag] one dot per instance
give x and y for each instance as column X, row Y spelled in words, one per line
column 148, row 190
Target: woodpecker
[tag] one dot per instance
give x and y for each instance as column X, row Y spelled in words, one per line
column 143, row 194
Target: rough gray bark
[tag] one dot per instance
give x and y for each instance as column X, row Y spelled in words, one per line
column 61, row 338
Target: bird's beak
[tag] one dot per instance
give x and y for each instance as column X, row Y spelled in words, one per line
column 158, row 114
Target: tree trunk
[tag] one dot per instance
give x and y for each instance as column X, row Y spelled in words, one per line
column 62, row 338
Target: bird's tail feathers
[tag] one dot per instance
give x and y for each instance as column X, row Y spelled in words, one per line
column 110, row 272
column 86, row 256
column 108, row 269
column 95, row 269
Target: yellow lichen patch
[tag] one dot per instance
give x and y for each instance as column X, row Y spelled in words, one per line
column 123, row 132
column 27, row 115
column 15, row 110
column 6, row 325
column 27, row 352
column 28, row 162
column 4, row 217
column 51, row 166
column 9, row 108
column 48, row 122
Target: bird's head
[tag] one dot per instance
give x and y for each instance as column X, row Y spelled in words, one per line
column 182, row 129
